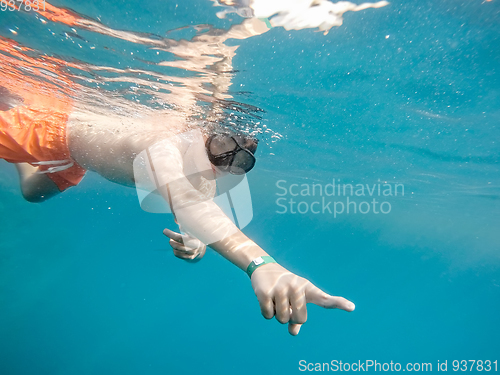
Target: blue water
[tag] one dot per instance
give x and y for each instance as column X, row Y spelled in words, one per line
column 408, row 94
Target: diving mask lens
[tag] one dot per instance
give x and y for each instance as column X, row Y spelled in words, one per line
column 242, row 163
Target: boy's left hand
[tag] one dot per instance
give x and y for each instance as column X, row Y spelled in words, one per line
column 186, row 247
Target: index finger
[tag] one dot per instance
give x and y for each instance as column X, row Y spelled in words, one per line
column 320, row 298
column 294, row 328
column 173, row 235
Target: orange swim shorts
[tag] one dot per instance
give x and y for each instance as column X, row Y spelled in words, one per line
column 34, row 113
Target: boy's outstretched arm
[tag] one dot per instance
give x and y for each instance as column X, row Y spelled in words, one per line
column 280, row 292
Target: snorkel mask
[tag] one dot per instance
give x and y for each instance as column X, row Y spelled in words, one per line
column 232, row 153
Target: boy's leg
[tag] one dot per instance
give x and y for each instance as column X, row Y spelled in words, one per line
column 36, row 188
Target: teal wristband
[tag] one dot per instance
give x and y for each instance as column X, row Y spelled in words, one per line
column 258, row 262
column 268, row 23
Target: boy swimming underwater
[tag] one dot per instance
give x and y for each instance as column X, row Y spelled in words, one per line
column 108, row 145
column 54, row 139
